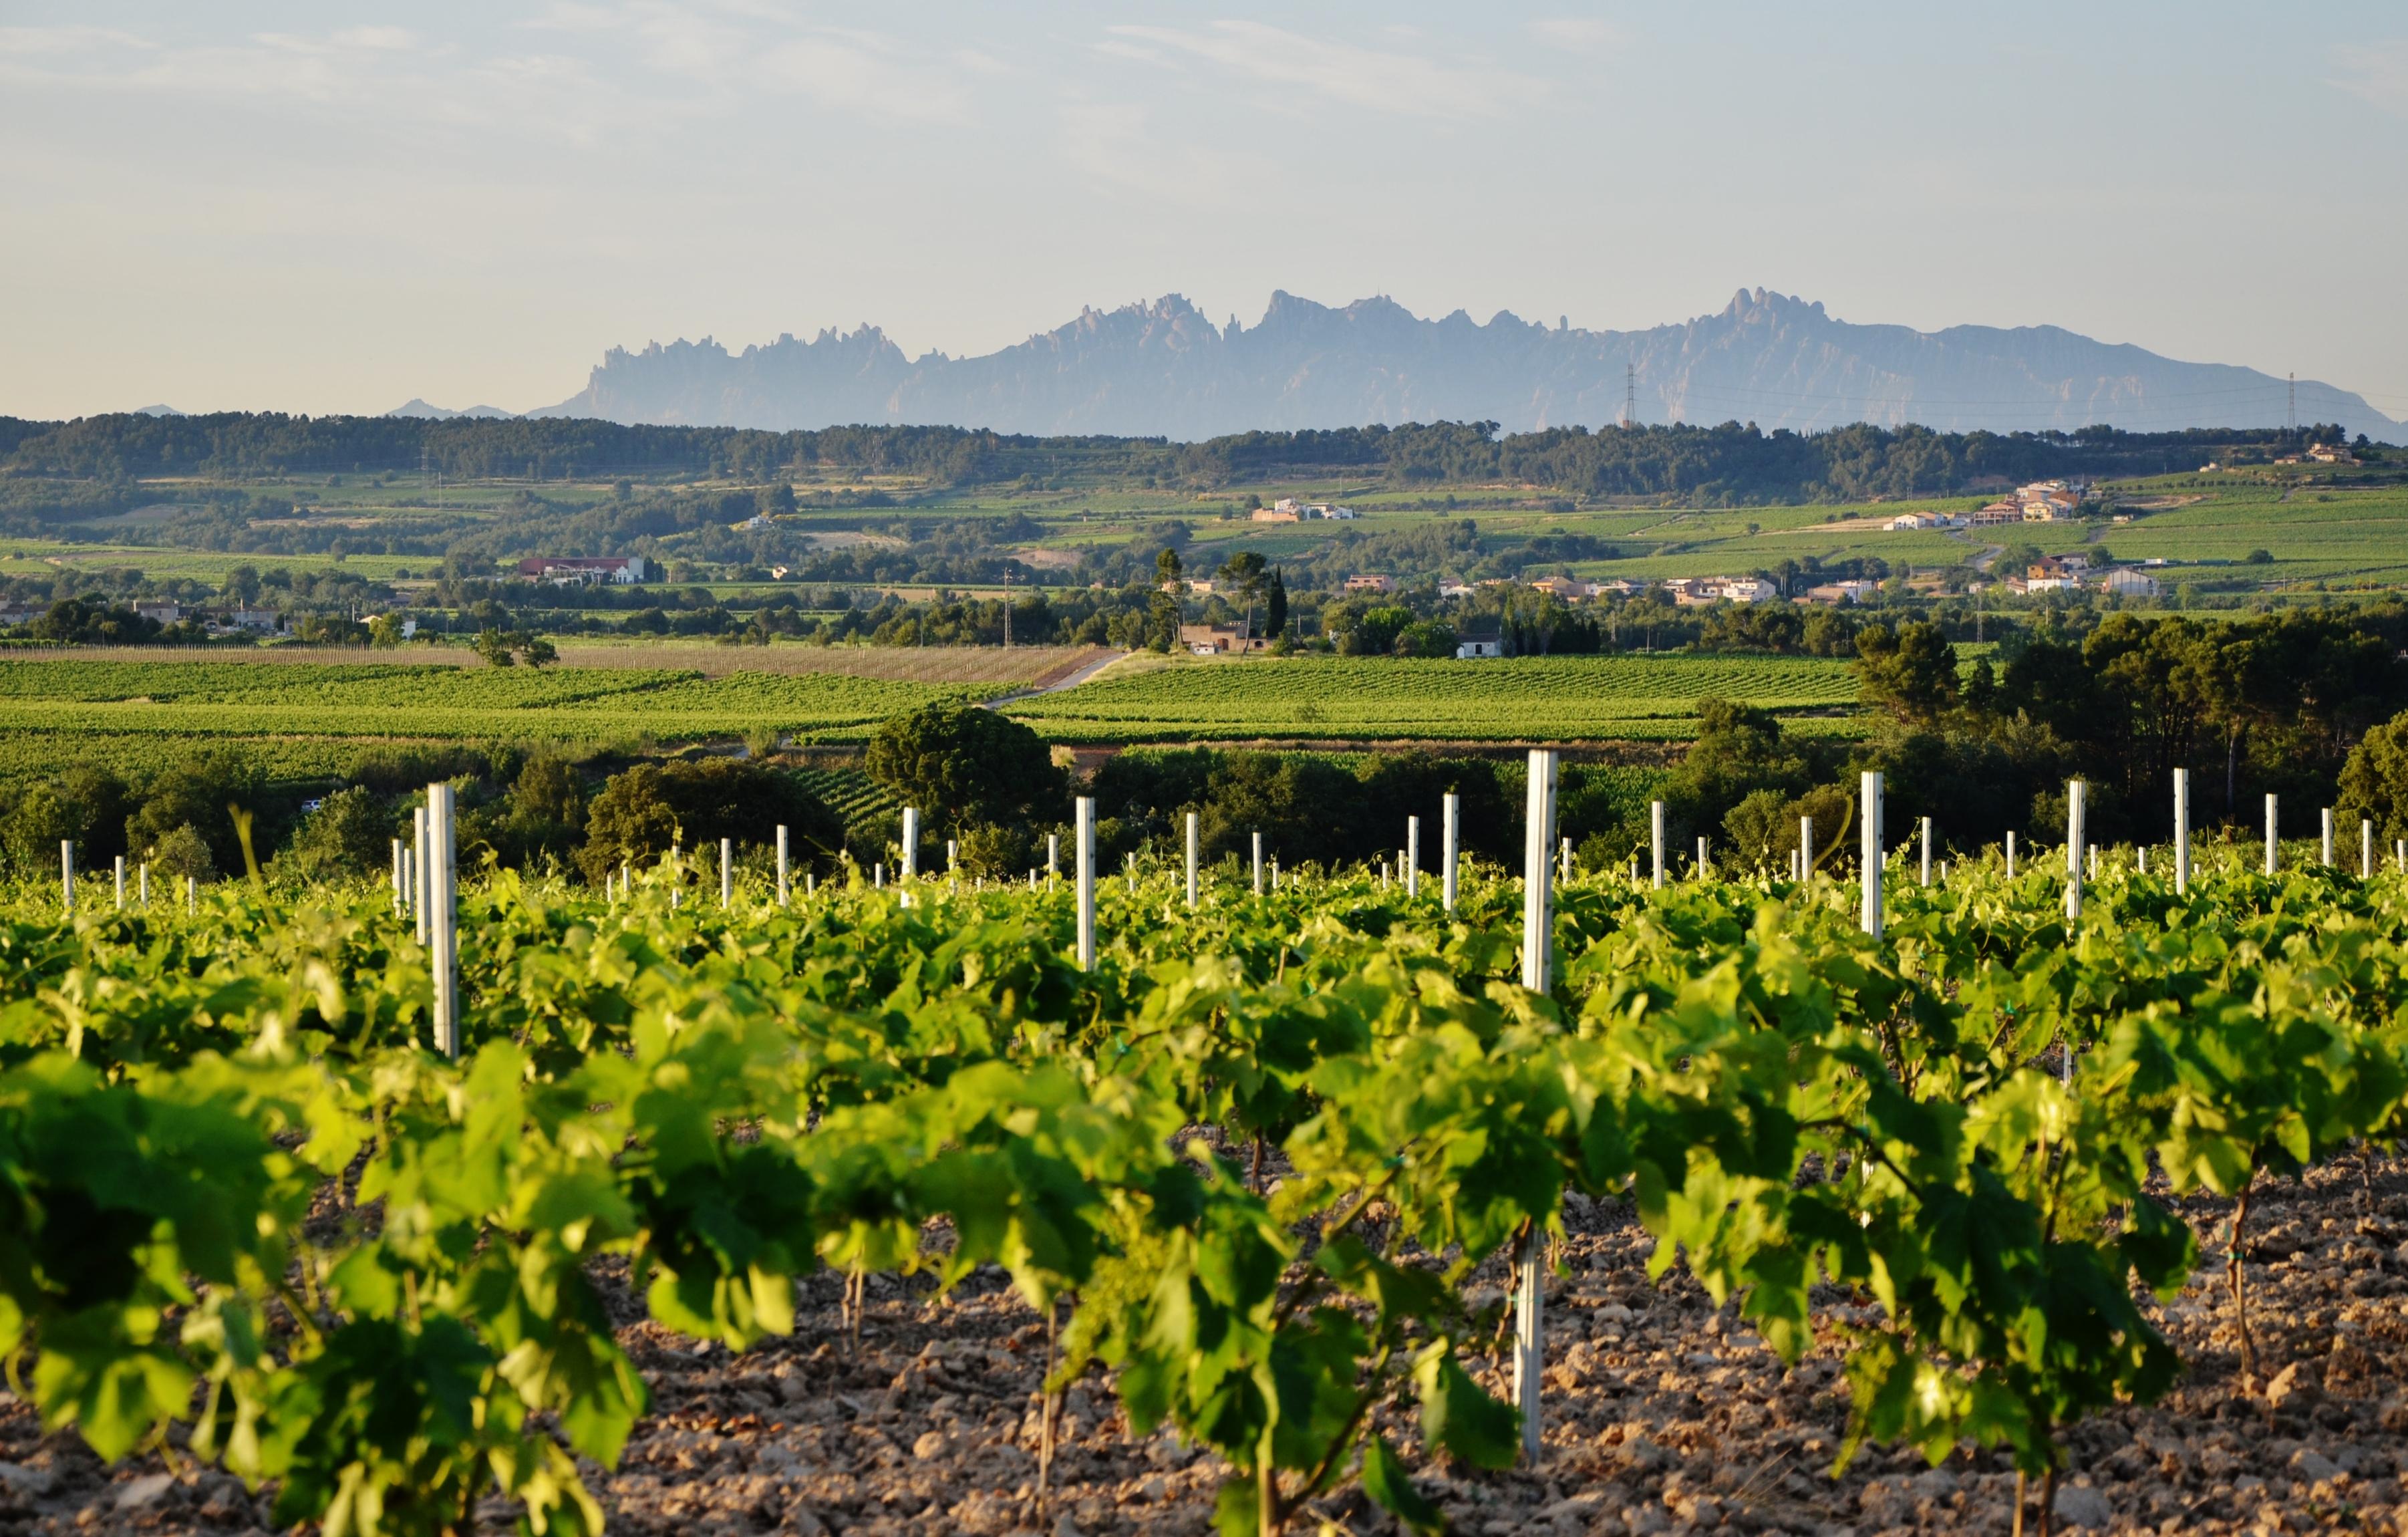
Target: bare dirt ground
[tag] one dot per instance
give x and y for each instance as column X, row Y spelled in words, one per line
column 1664, row 1414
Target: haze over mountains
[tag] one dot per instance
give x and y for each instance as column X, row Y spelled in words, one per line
column 1164, row 368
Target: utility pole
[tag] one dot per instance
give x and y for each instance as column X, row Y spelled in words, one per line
column 2291, row 411
column 1007, row 610
column 1630, row 394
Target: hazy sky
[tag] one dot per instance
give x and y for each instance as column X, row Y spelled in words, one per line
column 333, row 208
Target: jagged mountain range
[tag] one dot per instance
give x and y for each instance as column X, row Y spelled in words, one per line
column 1162, row 369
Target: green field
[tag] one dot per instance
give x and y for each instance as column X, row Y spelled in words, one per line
column 70, row 704
column 1517, row 698
column 311, row 719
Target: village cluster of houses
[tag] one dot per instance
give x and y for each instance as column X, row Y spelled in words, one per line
column 2072, row 572
column 1288, row 510
column 2042, row 501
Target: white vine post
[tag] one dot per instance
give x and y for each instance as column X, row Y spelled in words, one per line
column 1450, row 815
column 121, row 882
column 2272, row 810
column 2011, row 854
column 1926, row 851
column 1128, row 866
column 2366, row 848
column 784, row 867
column 2074, row 829
column 1086, row 841
column 1538, row 932
column 2328, row 838
column 2181, row 832
column 66, row 876
column 1052, row 855
column 1258, row 863
column 1869, row 852
column 192, row 896
column 444, row 888
column 142, row 879
column 726, row 872
column 1564, row 862
column 399, row 866
column 911, row 844
column 2399, row 854
column 1412, row 856
column 1655, row 824
column 1805, row 848
column 1702, row 870
column 417, row 868
column 1194, row 848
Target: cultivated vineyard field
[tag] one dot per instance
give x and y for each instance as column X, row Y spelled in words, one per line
column 64, row 702
column 1373, row 698
column 877, row 1212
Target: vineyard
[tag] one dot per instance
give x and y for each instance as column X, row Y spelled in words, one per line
column 1296, row 1170
column 71, row 700
column 1503, row 699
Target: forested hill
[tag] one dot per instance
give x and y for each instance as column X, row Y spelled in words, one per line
column 1164, row 368
column 74, row 462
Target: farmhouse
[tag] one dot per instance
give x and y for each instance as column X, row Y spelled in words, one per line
column 1488, row 641
column 587, row 570
column 1370, row 584
column 1220, row 640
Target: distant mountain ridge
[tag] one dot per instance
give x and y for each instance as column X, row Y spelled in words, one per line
column 1163, row 369
column 420, row 411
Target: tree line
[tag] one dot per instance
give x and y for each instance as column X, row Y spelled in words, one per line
column 1731, row 462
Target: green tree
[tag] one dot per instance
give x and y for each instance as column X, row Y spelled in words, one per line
column 43, row 817
column 1739, row 749
column 641, row 811
column 351, row 833
column 182, row 852
column 1910, row 672
column 967, row 767
column 196, row 792
column 1426, row 637
column 2374, row 781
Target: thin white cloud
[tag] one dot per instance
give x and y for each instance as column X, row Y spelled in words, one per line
column 731, row 48
column 382, row 77
column 1114, row 143
column 1380, row 78
column 27, row 42
column 862, row 75
column 1577, row 34
column 2375, row 73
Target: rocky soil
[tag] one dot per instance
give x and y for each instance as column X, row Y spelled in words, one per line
column 1665, row 1416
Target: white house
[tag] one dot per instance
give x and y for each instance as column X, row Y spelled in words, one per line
column 1477, row 644
column 2126, row 583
